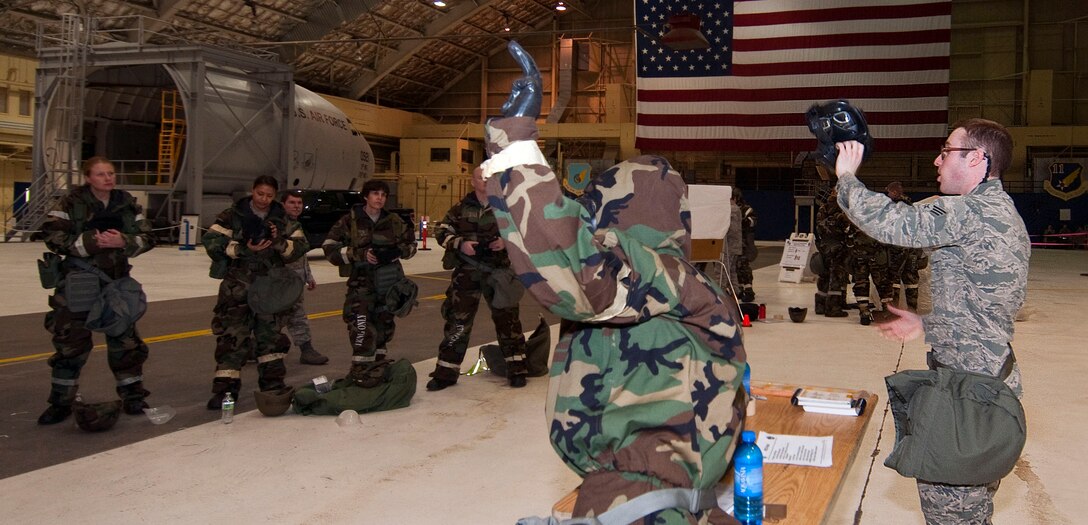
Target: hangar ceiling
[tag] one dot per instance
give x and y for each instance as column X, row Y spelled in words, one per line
column 397, row 53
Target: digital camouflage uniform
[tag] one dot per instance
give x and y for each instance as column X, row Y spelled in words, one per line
column 370, row 323
column 734, row 249
column 748, row 253
column 903, row 264
column 237, row 328
column 831, row 230
column 69, row 231
column 979, row 261
column 470, row 220
column 645, row 386
column 298, row 326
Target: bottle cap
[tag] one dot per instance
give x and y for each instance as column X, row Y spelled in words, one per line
column 749, row 436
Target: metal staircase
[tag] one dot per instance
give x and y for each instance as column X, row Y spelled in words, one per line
column 171, row 135
column 59, row 169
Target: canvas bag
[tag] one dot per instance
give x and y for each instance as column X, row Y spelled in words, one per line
column 954, row 427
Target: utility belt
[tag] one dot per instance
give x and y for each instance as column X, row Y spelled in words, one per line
column 1003, row 374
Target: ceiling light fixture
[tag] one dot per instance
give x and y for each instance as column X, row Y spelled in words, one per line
column 560, row 6
column 506, row 22
column 439, row 3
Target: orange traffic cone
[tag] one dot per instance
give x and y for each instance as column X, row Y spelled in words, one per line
column 747, row 322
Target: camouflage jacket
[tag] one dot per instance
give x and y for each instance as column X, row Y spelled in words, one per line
column 225, row 242
column 646, row 382
column 469, row 220
column 979, row 262
column 355, row 233
column 70, row 227
column 831, row 228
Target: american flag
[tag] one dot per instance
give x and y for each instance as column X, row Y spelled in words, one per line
column 769, row 60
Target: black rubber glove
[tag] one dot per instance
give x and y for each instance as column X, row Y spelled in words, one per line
column 526, row 92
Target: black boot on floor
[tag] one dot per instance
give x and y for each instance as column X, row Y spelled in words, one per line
column 517, row 381
column 134, row 407
column 54, row 414
column 436, row 384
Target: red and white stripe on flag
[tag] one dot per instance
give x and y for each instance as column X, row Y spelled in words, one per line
column 775, row 58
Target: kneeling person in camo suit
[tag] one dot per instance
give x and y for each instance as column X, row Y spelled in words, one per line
column 246, row 241
column 368, row 244
column 477, row 256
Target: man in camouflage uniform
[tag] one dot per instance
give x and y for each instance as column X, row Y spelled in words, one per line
column 831, row 227
column 867, row 257
column 748, row 252
column 980, row 251
column 903, row 263
column 247, row 241
column 646, row 389
column 103, row 227
column 368, row 244
column 298, row 326
column 477, row 256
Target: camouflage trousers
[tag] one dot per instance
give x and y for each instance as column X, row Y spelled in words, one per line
column 862, row 268
column 459, row 311
column 744, row 272
column 237, row 329
column 72, row 344
column 298, row 326
column 831, row 284
column 957, row 504
column 370, row 326
column 904, row 276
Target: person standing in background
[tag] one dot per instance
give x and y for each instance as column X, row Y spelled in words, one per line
column 298, row 326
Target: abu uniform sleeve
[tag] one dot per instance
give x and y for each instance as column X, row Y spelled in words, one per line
column 938, row 223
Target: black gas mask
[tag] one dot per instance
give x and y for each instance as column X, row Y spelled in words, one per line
column 837, row 121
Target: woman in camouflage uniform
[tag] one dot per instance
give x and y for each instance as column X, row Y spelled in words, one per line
column 104, row 227
column 247, row 241
column 368, row 244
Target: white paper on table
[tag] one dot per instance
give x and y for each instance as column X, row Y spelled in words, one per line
column 807, row 451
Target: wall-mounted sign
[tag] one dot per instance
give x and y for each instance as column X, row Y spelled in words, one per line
column 1064, row 177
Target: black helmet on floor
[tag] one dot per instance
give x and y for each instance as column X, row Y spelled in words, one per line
column 274, row 402
column 837, row 121
column 97, row 417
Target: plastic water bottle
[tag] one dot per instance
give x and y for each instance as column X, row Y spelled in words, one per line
column 748, row 379
column 748, row 481
column 228, row 409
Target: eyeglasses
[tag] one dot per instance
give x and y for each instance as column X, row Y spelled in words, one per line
column 946, row 151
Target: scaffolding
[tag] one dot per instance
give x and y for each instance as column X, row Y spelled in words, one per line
column 58, row 169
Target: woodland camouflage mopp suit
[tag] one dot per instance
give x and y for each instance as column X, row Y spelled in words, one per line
column 71, row 229
column 236, row 326
column 645, row 387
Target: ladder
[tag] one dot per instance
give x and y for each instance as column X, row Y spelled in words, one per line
column 61, row 171
column 171, row 135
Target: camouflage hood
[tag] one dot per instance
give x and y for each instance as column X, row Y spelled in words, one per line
column 640, row 197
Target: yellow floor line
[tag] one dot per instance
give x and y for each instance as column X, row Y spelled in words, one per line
column 187, row 335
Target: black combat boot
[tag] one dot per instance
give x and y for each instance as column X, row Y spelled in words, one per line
column 834, row 305
column 865, row 313
column 517, row 381
column 55, row 414
column 821, row 300
column 220, row 389
column 310, row 356
column 132, row 398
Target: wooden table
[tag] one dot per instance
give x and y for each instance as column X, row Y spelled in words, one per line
column 807, row 492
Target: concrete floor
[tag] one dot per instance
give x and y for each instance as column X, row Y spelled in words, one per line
column 478, row 452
